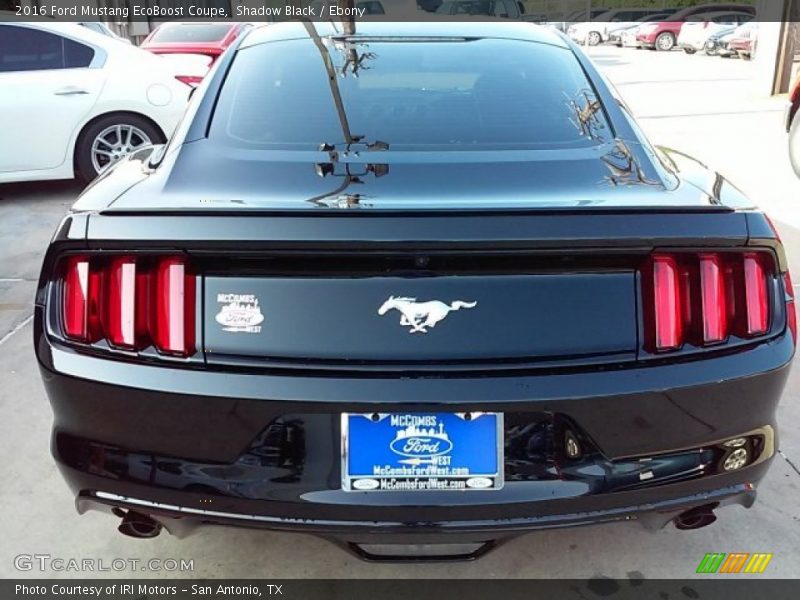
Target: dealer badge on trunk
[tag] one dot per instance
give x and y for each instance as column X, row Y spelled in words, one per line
column 239, row 313
column 421, row 316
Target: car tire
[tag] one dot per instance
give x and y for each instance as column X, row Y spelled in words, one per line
column 593, row 38
column 794, row 143
column 100, row 146
column 689, row 50
column 665, row 42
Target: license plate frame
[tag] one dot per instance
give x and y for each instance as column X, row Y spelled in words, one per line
column 405, row 474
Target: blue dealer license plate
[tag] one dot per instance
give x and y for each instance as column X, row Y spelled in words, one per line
column 417, row 451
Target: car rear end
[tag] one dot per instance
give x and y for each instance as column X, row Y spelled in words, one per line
column 602, row 376
column 207, row 39
column 693, row 35
column 355, row 350
column 744, row 39
column 647, row 34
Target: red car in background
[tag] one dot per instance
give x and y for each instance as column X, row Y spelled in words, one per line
column 193, row 42
column 663, row 35
column 744, row 40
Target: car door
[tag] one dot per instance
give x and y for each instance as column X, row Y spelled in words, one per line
column 48, row 85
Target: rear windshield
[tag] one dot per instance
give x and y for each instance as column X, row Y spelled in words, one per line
column 204, row 33
column 410, row 95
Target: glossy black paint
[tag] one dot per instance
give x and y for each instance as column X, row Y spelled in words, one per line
column 246, row 431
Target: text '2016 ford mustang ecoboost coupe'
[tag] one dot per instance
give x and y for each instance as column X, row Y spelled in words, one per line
column 415, row 288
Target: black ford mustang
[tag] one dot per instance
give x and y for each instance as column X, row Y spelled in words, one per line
column 415, row 288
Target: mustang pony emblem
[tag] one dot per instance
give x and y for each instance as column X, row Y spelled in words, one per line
column 420, row 316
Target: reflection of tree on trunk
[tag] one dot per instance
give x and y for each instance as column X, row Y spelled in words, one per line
column 353, row 62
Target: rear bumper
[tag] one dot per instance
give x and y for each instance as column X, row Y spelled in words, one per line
column 691, row 44
column 355, row 530
column 263, row 450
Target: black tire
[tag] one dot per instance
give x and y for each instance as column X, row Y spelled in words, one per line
column 665, row 42
column 794, row 143
column 83, row 149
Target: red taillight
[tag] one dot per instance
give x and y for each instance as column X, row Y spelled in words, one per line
column 132, row 303
column 713, row 299
column 791, row 315
column 667, row 297
column 81, row 300
column 190, row 80
column 172, row 325
column 705, row 298
column 756, row 297
column 120, row 321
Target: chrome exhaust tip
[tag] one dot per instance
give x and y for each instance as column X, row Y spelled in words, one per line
column 137, row 525
column 695, row 518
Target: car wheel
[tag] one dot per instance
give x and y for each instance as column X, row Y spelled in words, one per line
column 794, row 143
column 689, row 50
column 110, row 139
column 593, row 39
column 665, row 42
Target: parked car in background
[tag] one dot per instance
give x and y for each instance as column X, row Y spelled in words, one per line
column 699, row 28
column 103, row 29
column 578, row 16
column 630, row 36
column 88, row 101
column 716, row 42
column 208, row 39
column 793, row 125
column 744, row 40
column 724, row 46
column 663, row 35
column 616, row 31
column 596, row 31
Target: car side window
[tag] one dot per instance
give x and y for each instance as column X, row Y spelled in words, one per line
column 77, row 55
column 500, row 9
column 28, row 49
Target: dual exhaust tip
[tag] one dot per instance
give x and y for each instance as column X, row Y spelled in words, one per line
column 137, row 525
column 696, row 518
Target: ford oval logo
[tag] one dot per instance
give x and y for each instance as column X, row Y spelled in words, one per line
column 418, row 446
column 479, row 483
column 365, row 484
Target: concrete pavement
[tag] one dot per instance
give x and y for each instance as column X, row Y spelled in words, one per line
column 38, row 515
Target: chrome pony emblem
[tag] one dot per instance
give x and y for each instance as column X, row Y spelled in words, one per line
column 421, row 316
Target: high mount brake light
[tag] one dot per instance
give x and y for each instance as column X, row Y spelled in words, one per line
column 130, row 302
column 705, row 298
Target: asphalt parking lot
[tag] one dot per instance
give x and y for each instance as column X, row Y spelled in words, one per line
column 701, row 105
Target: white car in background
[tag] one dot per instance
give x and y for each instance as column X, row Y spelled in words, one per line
column 74, row 102
column 615, row 32
column 698, row 30
column 596, row 31
column 629, row 37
